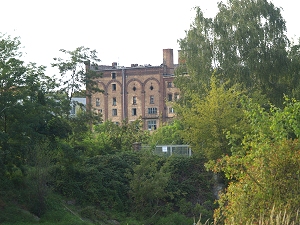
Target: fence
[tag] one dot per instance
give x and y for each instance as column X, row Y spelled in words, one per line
column 168, row 150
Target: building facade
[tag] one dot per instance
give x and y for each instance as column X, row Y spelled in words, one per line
column 137, row 92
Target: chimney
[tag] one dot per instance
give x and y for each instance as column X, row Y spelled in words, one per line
column 114, row 64
column 168, row 60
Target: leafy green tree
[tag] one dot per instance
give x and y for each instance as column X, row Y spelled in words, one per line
column 207, row 122
column 290, row 82
column 264, row 170
column 148, row 185
column 244, row 43
column 99, row 180
column 121, row 137
column 197, row 56
column 74, row 75
column 25, row 110
column 167, row 134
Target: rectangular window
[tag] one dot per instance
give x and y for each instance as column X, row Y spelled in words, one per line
column 169, row 84
column 151, row 99
column 97, row 101
column 133, row 111
column 171, row 110
column 170, row 97
column 113, row 75
column 151, row 124
column 114, row 112
column 99, row 111
column 114, row 87
column 134, row 100
column 114, row 101
column 152, row 110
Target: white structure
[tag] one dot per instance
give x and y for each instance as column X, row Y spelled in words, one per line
column 77, row 104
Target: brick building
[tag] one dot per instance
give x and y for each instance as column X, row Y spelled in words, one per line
column 135, row 92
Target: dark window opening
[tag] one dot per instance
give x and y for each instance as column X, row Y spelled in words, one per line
column 97, row 102
column 114, row 87
column 133, row 111
column 151, row 99
column 134, row 100
column 114, row 112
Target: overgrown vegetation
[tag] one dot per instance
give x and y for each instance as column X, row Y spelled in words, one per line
column 239, row 110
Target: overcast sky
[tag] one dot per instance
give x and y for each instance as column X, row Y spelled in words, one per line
column 123, row 31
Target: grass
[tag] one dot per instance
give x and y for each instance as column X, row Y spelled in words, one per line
column 281, row 218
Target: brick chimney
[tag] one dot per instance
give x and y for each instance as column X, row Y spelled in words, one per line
column 168, row 60
column 114, row 64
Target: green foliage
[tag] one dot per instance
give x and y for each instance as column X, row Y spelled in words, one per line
column 73, row 72
column 160, row 186
column 27, row 108
column 208, row 119
column 265, row 172
column 244, row 43
column 148, row 184
column 190, row 186
column 174, row 219
column 167, row 134
column 98, row 180
column 119, row 137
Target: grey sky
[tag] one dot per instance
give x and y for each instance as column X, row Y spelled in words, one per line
column 131, row 31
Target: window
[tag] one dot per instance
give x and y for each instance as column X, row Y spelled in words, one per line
column 133, row 111
column 97, row 101
column 151, row 99
column 170, row 97
column 117, row 123
column 99, row 111
column 152, row 110
column 171, row 110
column 114, row 101
column 114, row 87
column 134, row 100
column 151, row 124
column 113, row 75
column 169, row 84
column 114, row 112
column 151, row 87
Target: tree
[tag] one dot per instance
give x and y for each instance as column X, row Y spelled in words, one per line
column 119, row 137
column 207, row 122
column 74, row 76
column 264, row 170
column 167, row 134
column 28, row 105
column 245, row 43
column 148, row 184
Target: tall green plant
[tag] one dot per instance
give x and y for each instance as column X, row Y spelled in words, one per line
column 244, row 43
column 209, row 118
column 264, row 170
